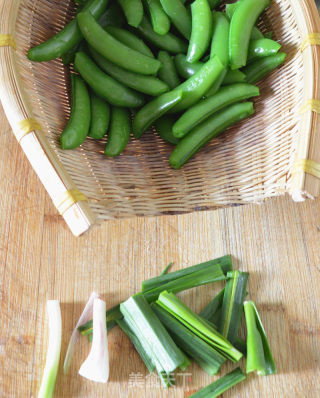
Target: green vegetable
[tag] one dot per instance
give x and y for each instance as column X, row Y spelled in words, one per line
column 207, row 130
column 67, row 38
column 198, row 325
column 164, row 129
column 77, row 128
column 224, row 263
column 159, row 19
column 185, row 68
column 167, row 269
column 262, row 48
column 113, row 49
column 234, row 76
column 167, row 73
column 145, row 84
column 202, row 110
column 152, row 335
column 179, row 16
column 221, row 385
column 232, row 306
column 133, row 10
column 119, row 132
column 112, row 316
column 154, row 110
column 220, row 38
column 212, row 310
column 104, row 85
column 257, row 70
column 100, row 117
column 199, row 350
column 201, row 30
column 112, row 16
column 259, row 356
column 53, row 352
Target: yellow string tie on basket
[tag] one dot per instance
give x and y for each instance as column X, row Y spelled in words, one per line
column 25, row 127
column 7, row 40
column 69, row 198
column 306, row 166
column 311, row 105
column 312, row 39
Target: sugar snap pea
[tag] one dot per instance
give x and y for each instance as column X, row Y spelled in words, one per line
column 234, row 76
column 100, row 117
column 130, row 40
column 159, row 19
column 104, row 85
column 154, row 110
column 197, row 85
column 164, row 129
column 179, row 16
column 262, row 48
column 142, row 83
column 220, row 37
column 185, row 68
column 167, row 42
column 113, row 49
column 77, row 128
column 258, row 69
column 202, row 110
column 119, row 132
column 133, row 10
column 167, row 72
column 208, row 130
column 243, row 20
column 67, row 38
column 112, row 16
column 201, row 30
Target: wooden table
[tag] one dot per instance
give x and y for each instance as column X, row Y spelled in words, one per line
column 278, row 242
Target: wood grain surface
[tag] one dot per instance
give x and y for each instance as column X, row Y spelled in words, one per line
column 278, row 243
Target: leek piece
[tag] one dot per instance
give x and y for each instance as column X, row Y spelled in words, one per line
column 221, row 385
column 198, row 325
column 53, row 352
column 232, row 305
column 206, row 356
column 167, row 269
column 96, row 366
column 112, row 315
column 259, row 356
column 225, row 263
column 202, row 277
column 212, row 311
column 152, row 335
column 84, row 317
column 138, row 346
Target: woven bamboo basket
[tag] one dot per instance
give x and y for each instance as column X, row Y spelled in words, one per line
column 274, row 152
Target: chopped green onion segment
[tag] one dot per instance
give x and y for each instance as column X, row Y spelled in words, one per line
column 112, row 315
column 198, row 325
column 232, row 305
column 259, row 356
column 53, row 352
column 212, row 311
column 167, row 269
column 153, row 336
column 204, row 354
column 221, row 385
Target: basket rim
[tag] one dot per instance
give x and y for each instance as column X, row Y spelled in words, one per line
column 79, row 215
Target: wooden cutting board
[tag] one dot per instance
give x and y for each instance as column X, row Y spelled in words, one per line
column 278, row 243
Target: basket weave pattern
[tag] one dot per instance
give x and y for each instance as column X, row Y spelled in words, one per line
column 248, row 163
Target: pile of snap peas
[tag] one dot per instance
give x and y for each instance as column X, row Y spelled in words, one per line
column 180, row 66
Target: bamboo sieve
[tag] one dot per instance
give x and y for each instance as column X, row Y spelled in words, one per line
column 274, row 152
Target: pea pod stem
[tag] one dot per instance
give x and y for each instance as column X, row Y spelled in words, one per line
column 208, row 130
column 113, row 49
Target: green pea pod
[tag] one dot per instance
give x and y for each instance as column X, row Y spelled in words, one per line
column 130, row 40
column 201, row 30
column 67, row 38
column 159, row 19
column 144, row 84
column 104, row 85
column 167, row 72
column 197, row 85
column 262, row 48
column 220, row 37
column 119, row 132
column 113, row 49
column 112, row 16
column 202, row 110
column 208, row 130
column 167, row 42
column 164, row 129
column 133, row 10
column 256, row 34
column 234, row 76
column 100, row 117
column 257, row 70
column 185, row 68
column 217, row 84
column 77, row 128
column 154, row 110
column 179, row 16
column 243, row 20
column 214, row 3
